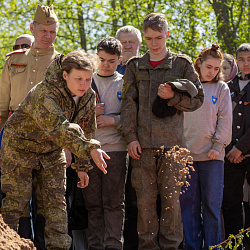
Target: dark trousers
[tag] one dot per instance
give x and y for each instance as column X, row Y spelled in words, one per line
column 130, row 226
column 104, row 200
column 234, row 175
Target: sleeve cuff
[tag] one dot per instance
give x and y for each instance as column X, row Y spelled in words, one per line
column 117, row 120
column 218, row 146
column 81, row 168
column 176, row 99
column 131, row 137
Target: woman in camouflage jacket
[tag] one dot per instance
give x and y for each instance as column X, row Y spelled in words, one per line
column 51, row 117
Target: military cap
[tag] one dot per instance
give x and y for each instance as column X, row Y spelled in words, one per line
column 45, row 15
column 184, row 85
column 160, row 106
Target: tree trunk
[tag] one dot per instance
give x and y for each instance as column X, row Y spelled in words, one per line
column 114, row 19
column 81, row 24
column 226, row 28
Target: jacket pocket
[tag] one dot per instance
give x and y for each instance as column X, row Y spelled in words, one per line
column 17, row 68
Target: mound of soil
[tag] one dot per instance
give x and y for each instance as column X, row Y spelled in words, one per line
column 10, row 240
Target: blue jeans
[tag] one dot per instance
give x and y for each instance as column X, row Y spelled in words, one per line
column 201, row 205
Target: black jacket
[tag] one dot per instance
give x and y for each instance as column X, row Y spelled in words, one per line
column 241, row 118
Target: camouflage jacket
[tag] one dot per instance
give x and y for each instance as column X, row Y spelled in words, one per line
column 141, row 82
column 48, row 120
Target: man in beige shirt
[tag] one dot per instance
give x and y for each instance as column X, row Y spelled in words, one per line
column 23, row 69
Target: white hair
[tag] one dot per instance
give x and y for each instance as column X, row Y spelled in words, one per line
column 129, row 29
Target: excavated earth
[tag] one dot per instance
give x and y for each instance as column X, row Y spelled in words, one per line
column 10, row 240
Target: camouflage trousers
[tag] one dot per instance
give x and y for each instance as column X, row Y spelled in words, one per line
column 154, row 174
column 17, row 185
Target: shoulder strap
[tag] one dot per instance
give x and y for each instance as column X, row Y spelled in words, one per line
column 18, row 51
column 94, row 87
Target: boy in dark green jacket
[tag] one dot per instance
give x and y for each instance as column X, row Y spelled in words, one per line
column 149, row 133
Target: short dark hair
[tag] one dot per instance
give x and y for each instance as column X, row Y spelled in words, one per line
column 110, row 45
column 155, row 21
column 79, row 59
column 243, row 47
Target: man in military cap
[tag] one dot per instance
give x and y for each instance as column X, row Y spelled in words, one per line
column 23, row 69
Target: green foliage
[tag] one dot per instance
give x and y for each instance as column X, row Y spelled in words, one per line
column 233, row 241
column 193, row 24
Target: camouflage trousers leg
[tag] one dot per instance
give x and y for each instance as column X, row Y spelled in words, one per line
column 52, row 183
column 17, row 185
column 154, row 174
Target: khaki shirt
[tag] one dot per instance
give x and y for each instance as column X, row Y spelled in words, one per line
column 21, row 72
column 141, row 82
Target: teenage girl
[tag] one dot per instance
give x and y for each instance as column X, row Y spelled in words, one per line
column 207, row 132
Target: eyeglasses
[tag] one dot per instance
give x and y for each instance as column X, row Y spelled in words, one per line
column 22, row 46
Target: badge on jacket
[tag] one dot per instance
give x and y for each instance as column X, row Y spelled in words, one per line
column 119, row 95
column 214, row 99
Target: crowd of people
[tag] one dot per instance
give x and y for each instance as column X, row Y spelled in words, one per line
column 85, row 141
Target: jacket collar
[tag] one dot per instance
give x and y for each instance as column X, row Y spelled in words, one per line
column 166, row 64
column 42, row 52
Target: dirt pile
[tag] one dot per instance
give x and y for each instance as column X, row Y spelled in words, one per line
column 10, row 240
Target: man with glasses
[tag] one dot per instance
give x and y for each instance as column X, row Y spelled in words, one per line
column 23, row 42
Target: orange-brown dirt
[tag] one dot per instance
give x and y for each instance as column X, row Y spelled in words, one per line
column 10, row 240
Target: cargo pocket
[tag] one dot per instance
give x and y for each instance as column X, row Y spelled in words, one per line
column 136, row 175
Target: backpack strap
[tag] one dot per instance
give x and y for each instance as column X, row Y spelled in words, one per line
column 94, row 87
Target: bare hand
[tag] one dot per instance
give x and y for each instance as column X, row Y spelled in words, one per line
column 84, row 180
column 97, row 156
column 235, row 155
column 213, row 154
column 68, row 155
column 105, row 121
column 165, row 91
column 100, row 109
column 134, row 150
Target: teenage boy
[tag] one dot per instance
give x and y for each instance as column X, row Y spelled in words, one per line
column 149, row 133
column 104, row 197
column 237, row 161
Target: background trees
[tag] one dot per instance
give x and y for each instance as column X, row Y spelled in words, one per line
column 193, row 24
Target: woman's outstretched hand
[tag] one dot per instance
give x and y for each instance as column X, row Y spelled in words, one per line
column 97, row 156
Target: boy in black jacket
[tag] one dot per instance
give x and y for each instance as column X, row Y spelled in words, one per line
column 237, row 162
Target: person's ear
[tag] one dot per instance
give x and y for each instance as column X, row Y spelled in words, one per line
column 32, row 28
column 199, row 63
column 120, row 59
column 65, row 74
column 167, row 35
